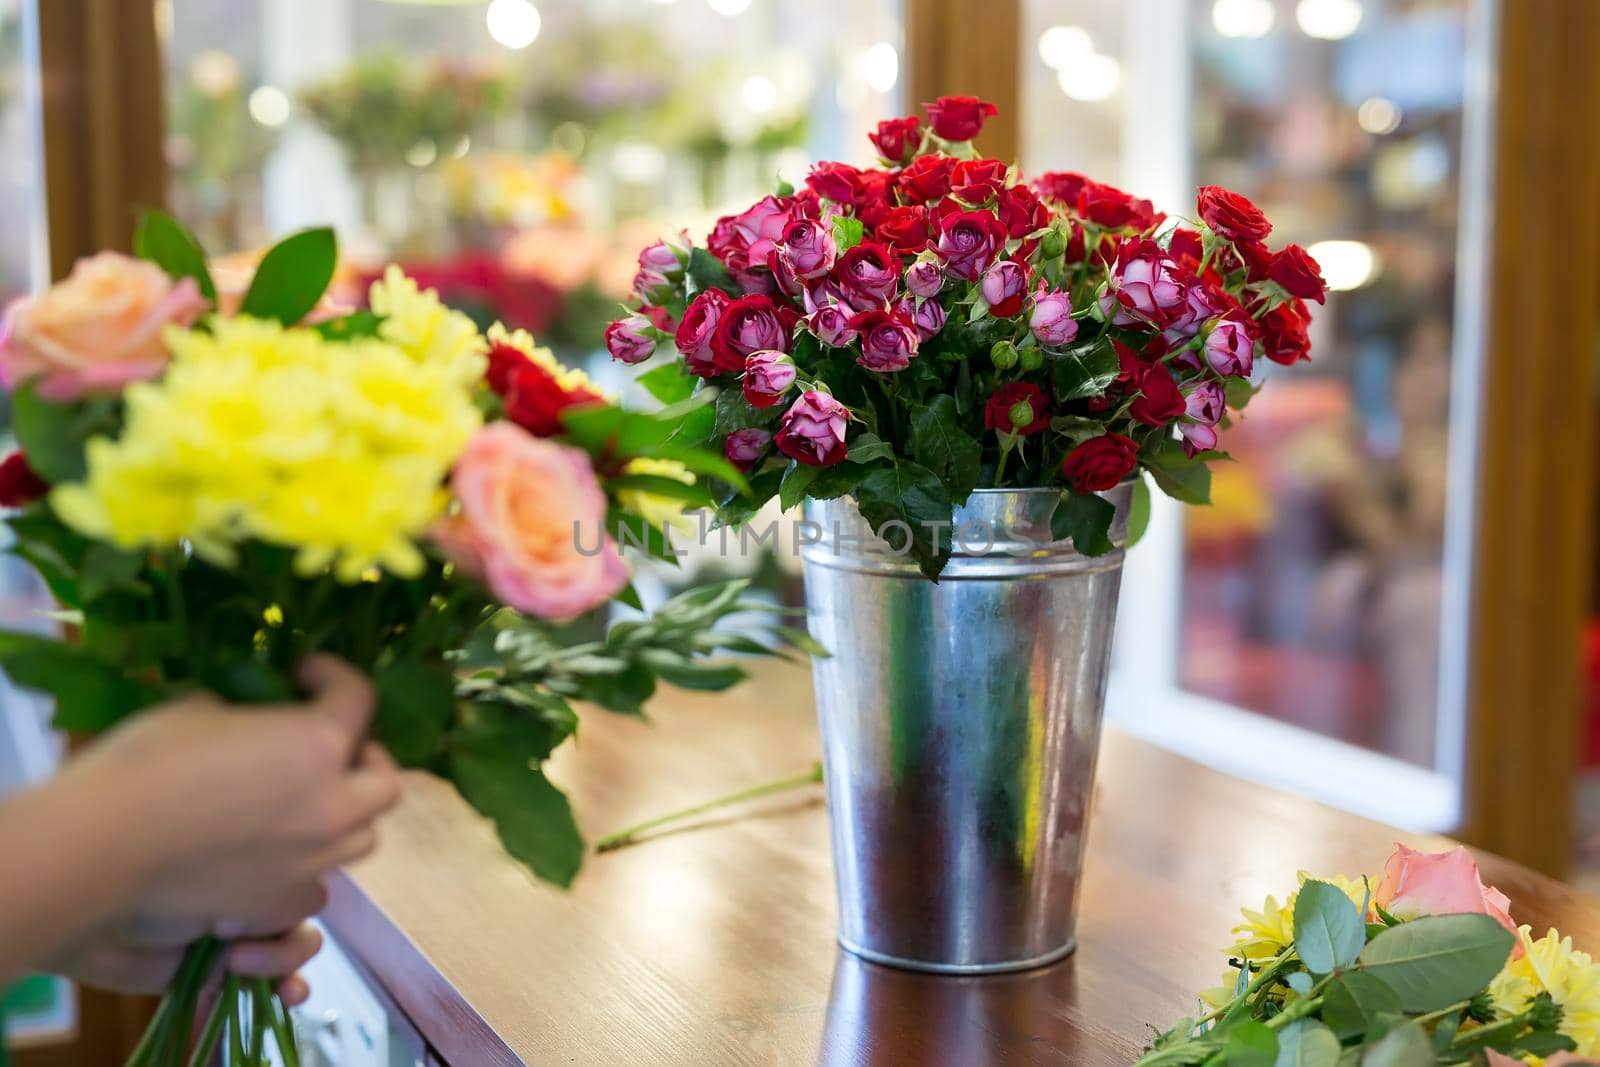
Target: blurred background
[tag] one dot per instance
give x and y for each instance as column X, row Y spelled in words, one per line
column 1370, row 613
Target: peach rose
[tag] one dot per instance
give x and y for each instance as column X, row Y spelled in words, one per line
column 97, row 330
column 1438, row 883
column 531, row 524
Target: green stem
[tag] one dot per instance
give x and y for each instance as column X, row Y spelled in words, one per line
column 628, row 836
column 230, row 992
column 258, row 1027
column 268, row 1004
column 1485, row 1035
column 146, row 1048
column 206, row 1047
column 1263, row 976
column 1442, row 1012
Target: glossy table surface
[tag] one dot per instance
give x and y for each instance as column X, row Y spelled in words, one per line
column 714, row 945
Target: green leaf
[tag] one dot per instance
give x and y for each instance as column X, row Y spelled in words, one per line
column 1355, row 1002
column 847, row 232
column 1179, row 476
column 1250, row 1044
column 1086, row 371
column 1403, row 1046
column 1300, row 981
column 55, row 550
column 533, row 818
column 162, row 240
column 688, row 673
column 348, row 327
column 91, row 694
column 1434, row 961
column 1307, row 1043
column 912, row 494
column 54, row 434
column 1077, row 427
column 869, row 447
column 803, row 641
column 797, row 478
column 668, row 383
column 836, row 481
column 1086, row 519
column 939, row 443
column 734, row 412
column 416, row 701
column 292, row 277
column 694, row 493
column 706, row 271
column 1328, row 931
column 1138, row 511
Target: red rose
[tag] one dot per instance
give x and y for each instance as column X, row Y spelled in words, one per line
column 1283, row 332
column 1159, row 400
column 695, row 332
column 975, row 181
column 874, row 198
column 969, row 241
column 1100, row 463
column 535, row 399
column 1021, row 212
column 747, row 325
column 927, row 178
column 905, row 230
column 888, row 341
column 1231, row 215
column 1299, row 274
column 997, row 412
column 19, row 483
column 1106, row 205
column 834, row 181
column 897, row 139
column 1062, row 186
column 959, row 118
column 867, row 275
column 1185, row 249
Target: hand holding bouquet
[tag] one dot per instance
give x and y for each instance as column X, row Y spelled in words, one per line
column 215, row 488
column 908, row 334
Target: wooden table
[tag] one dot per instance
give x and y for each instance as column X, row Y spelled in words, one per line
column 715, row 946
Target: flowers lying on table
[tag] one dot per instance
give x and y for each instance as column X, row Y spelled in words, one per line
column 214, row 489
column 1423, row 966
column 908, row 334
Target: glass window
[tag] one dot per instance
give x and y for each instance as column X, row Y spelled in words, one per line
column 1314, row 592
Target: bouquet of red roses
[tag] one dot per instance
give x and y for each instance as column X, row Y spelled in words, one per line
column 908, row 334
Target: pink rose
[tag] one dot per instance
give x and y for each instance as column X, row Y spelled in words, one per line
column 926, row 315
column 744, row 448
column 1202, row 303
column 808, row 247
column 831, row 324
column 650, row 288
column 812, row 430
column 867, row 275
column 97, row 330
column 1198, row 437
column 767, row 376
column 747, row 325
column 1005, row 287
column 531, row 524
column 1439, row 883
column 1052, row 322
column 755, row 232
column 698, row 327
column 888, row 342
column 1205, row 402
column 1144, row 288
column 666, row 259
column 629, row 341
column 969, row 241
column 1229, row 348
column 924, row 278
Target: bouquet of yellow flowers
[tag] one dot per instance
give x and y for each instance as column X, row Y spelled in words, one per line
column 1423, row 966
column 216, row 483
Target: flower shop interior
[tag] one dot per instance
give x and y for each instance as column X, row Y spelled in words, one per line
column 1389, row 609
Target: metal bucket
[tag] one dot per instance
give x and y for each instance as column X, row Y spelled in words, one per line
column 960, row 724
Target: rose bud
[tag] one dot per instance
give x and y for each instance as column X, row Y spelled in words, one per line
column 1299, row 274
column 812, row 430
column 1053, row 244
column 1100, row 463
column 1229, row 348
column 744, row 448
column 747, row 325
column 888, row 342
column 1052, row 322
column 1031, row 358
column 629, row 340
column 808, row 246
column 768, row 375
column 695, row 332
column 1005, row 287
column 924, row 278
column 897, row 140
column 1003, row 354
column 867, row 275
column 1232, row 215
column 969, row 241
column 1206, row 402
column 926, row 315
column 831, row 324
column 1020, row 407
column 20, row 484
column 1144, row 287
column 1159, row 401
column 668, row 260
column 1197, row 438
column 959, row 118
column 651, row 287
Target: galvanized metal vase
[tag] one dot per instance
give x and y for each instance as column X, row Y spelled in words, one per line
column 960, row 724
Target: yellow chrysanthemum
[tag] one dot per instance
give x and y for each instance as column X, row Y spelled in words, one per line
column 337, row 449
column 1571, row 977
column 654, row 508
column 1267, row 932
column 419, row 324
column 569, row 378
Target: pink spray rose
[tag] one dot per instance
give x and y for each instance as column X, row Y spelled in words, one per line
column 629, row 341
column 867, row 275
column 1229, row 348
column 744, row 448
column 768, row 375
column 1052, row 322
column 812, row 430
column 747, row 325
column 97, row 330
column 924, row 278
column 1439, row 883
column 969, row 241
column 926, row 315
column 807, row 246
column 887, row 341
column 698, row 327
column 1144, row 287
column 1205, row 404
column 831, row 324
column 1005, row 287
column 531, row 523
